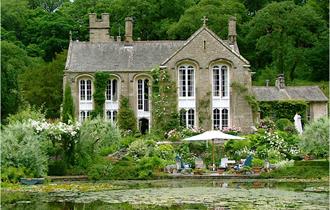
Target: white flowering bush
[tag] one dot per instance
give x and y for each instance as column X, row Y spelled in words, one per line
column 284, row 164
column 231, row 130
column 138, row 149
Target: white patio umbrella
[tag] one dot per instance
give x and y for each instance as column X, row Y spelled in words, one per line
column 215, row 136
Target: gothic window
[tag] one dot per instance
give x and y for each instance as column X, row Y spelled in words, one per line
column 224, row 118
column 186, row 81
column 220, row 81
column 187, row 118
column 143, row 94
column 111, row 115
column 85, row 90
column 183, row 117
column 216, row 119
column 83, row 115
column 111, row 91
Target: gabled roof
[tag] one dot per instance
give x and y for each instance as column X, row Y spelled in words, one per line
column 223, row 42
column 115, row 56
column 306, row 93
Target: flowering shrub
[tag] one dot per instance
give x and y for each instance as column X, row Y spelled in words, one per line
column 176, row 135
column 284, row 164
column 267, row 124
column 231, row 130
column 165, row 151
column 138, row 149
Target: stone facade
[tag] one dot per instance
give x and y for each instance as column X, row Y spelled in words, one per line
column 129, row 63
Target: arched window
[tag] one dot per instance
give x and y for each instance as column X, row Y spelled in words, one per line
column 216, row 119
column 186, row 81
column 224, row 118
column 143, row 94
column 220, row 81
column 187, row 118
column 84, row 115
column 112, row 90
column 85, row 90
column 111, row 115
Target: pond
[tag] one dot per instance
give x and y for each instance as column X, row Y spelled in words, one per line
column 171, row 194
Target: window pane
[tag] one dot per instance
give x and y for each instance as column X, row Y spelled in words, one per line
column 216, row 119
column 108, row 92
column 224, row 116
column 89, row 90
column 183, row 117
column 114, row 116
column 82, row 90
column 82, row 116
column 140, row 101
column 224, row 81
column 191, row 118
column 190, row 81
column 216, row 81
column 182, row 77
column 109, row 115
column 146, row 95
column 114, row 90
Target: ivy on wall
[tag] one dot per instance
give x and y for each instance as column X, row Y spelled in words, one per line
column 283, row 109
column 164, row 101
column 100, row 84
column 126, row 117
column 68, row 107
column 204, row 107
column 241, row 89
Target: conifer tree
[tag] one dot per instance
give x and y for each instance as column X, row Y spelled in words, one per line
column 68, row 108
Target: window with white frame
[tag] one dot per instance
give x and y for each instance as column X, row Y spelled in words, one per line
column 83, row 115
column 112, row 90
column 187, row 118
column 111, row 115
column 216, row 119
column 85, row 90
column 220, row 81
column 143, row 94
column 186, row 81
column 224, row 118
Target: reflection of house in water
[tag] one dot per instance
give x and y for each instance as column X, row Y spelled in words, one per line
column 203, row 67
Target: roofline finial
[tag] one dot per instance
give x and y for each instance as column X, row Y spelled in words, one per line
column 204, row 19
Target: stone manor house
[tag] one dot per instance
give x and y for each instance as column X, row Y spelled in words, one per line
column 203, row 66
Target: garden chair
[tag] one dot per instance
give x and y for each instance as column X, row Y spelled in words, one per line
column 199, row 164
column 247, row 162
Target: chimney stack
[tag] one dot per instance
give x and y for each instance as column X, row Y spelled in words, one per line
column 280, row 82
column 99, row 28
column 232, row 35
column 128, row 30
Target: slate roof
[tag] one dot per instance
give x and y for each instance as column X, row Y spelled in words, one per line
column 306, row 93
column 114, row 56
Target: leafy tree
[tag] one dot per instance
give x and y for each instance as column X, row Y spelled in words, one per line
column 42, row 85
column 126, row 117
column 315, row 138
column 14, row 61
column 218, row 13
column 283, row 35
column 68, row 106
column 47, row 5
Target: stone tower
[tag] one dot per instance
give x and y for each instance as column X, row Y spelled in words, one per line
column 99, row 28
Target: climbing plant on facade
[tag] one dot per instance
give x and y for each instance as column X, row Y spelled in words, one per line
column 164, row 103
column 242, row 90
column 100, row 84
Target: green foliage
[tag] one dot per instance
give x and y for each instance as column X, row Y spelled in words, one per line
column 285, row 125
column 288, row 37
column 237, row 149
column 12, row 174
column 283, row 109
column 217, row 11
column 57, row 168
column 68, row 106
column 26, row 113
column 14, row 61
column 101, row 169
column 257, row 162
column 315, row 138
column 164, row 106
column 242, row 90
column 165, row 152
column 124, row 169
column 100, row 84
column 147, row 166
column 138, row 149
column 43, row 85
column 95, row 134
column 21, row 147
column 126, row 117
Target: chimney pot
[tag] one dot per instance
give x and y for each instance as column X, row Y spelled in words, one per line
column 280, row 82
